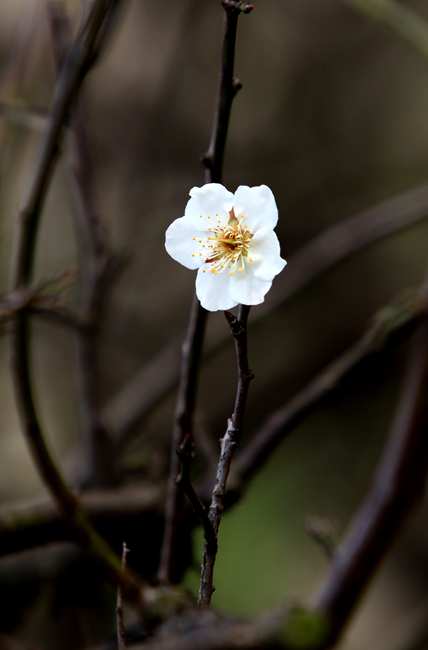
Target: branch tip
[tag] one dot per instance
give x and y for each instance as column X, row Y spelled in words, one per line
column 237, row 6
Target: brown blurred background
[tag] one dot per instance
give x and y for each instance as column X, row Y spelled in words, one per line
column 333, row 117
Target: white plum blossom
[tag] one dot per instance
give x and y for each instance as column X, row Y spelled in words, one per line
column 230, row 239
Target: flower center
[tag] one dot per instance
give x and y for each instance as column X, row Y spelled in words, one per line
column 228, row 246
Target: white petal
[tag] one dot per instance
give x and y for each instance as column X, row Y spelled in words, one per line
column 245, row 288
column 208, row 201
column 258, row 206
column 181, row 245
column 212, row 290
column 264, row 252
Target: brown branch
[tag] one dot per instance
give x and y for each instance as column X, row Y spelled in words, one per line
column 192, row 347
column 27, row 526
column 329, row 248
column 97, row 264
column 397, row 487
column 388, row 327
column 73, row 72
column 229, row 443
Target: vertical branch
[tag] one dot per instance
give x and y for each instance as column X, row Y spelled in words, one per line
column 192, row 346
column 229, row 443
column 398, row 485
column 73, row 72
column 119, row 612
column 183, row 424
column 96, row 265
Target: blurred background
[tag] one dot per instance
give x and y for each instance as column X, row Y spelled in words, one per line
column 333, row 118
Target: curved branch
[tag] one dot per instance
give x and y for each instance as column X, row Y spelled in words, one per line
column 397, row 486
column 97, row 264
column 74, row 70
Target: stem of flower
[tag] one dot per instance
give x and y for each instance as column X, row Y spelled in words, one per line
column 229, row 443
column 192, row 346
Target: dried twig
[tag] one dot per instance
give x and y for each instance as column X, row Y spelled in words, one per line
column 332, row 246
column 119, row 612
column 192, row 347
column 398, row 485
column 73, row 72
column 229, row 443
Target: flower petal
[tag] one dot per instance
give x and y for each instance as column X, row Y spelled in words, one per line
column 181, row 245
column 245, row 288
column 212, row 290
column 208, row 201
column 265, row 257
column 258, row 206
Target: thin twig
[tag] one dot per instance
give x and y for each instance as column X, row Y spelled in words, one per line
column 213, row 158
column 97, row 264
column 332, row 246
column 229, row 443
column 119, row 612
column 192, row 347
column 73, row 72
column 398, row 485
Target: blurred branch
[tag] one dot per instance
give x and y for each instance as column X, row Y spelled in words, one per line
column 208, row 630
column 73, row 72
column 33, row 300
column 398, row 485
column 388, row 327
column 21, row 114
column 25, row 527
column 229, row 443
column 205, row 629
column 97, row 265
column 335, row 244
column 400, row 19
column 192, row 346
